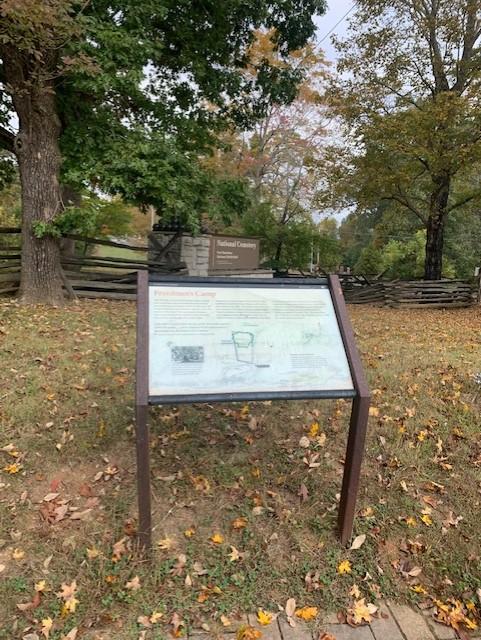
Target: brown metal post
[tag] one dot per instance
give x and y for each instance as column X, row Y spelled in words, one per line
column 141, row 411
column 359, row 417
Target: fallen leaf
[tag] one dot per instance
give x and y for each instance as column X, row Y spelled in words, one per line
column 92, row 553
column 344, row 567
column 290, row 607
column 217, row 538
column 234, row 555
column 156, row 616
column 47, row 624
column 166, row 544
column 307, row 613
column 134, row 584
column 239, row 523
column 144, row 621
column 15, row 467
column 41, row 585
column 358, row 541
column 264, row 617
column 247, row 632
column 314, row 430
column 71, row 635
column 360, row 613
column 428, row 521
column 355, row 592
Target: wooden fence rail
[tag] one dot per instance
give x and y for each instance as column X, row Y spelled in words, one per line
column 94, row 276
column 90, row 276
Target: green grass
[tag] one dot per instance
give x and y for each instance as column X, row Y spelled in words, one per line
column 66, row 385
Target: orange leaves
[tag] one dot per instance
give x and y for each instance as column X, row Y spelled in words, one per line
column 454, row 614
column 239, row 523
column 307, row 613
column 247, row 632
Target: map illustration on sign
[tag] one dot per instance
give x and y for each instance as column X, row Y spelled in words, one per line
column 212, row 340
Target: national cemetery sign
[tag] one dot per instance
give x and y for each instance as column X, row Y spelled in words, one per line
column 233, row 253
column 236, row 339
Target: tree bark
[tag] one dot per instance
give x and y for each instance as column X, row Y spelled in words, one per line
column 433, row 265
column 39, row 159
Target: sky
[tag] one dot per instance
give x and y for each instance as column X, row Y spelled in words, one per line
column 335, row 11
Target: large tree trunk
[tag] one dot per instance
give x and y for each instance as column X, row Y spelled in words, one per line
column 38, row 154
column 39, row 161
column 433, row 265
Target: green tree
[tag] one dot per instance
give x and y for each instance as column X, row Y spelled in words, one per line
column 87, row 72
column 369, row 262
column 409, row 97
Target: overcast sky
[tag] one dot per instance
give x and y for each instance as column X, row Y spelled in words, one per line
column 335, row 11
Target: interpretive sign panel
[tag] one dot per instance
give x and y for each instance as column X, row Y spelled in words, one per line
column 243, row 339
column 228, row 339
column 230, row 252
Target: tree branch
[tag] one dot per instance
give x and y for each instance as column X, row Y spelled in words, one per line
column 463, row 201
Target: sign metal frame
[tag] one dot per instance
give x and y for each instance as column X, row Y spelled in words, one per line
column 360, row 395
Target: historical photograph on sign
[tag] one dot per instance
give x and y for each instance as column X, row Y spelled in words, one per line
column 214, row 340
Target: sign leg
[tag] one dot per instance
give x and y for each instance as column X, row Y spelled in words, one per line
column 352, row 466
column 143, row 477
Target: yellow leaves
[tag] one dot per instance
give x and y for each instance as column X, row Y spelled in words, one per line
column 134, row 584
column 426, row 518
column 155, row 617
column 360, row 613
column 166, row 544
column 67, row 594
column 217, row 538
column 422, row 435
column 419, row 589
column 13, row 468
column 40, row 586
column 374, row 412
column 189, row 533
column 344, row 567
column 247, row 632
column 239, row 523
column 307, row 613
column 264, row 617
column 47, row 624
column 453, row 614
column 411, row 521
column 18, row 554
column 314, row 430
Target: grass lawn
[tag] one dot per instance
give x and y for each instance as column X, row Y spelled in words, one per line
column 244, row 516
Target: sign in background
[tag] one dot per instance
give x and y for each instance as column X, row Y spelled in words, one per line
column 229, row 252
